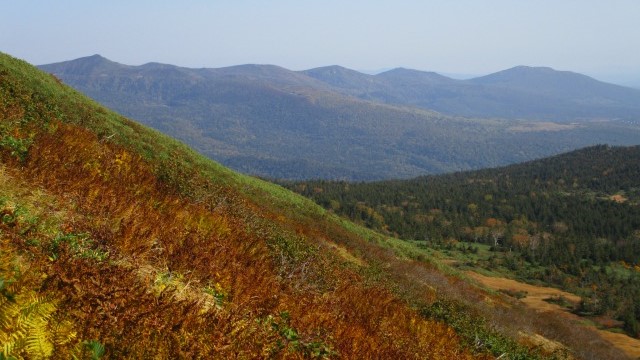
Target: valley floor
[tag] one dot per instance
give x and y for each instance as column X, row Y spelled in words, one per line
column 536, row 297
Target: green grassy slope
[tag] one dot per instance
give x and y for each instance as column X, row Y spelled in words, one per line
column 119, row 242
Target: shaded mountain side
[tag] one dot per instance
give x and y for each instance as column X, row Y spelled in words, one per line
column 275, row 123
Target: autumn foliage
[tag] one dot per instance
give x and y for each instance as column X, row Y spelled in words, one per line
column 142, row 259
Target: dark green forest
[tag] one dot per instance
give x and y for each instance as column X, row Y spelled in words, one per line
column 572, row 220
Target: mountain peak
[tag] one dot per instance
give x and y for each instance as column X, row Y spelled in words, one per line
column 262, row 70
column 341, row 77
column 95, row 59
column 331, row 69
column 523, row 68
column 157, row 66
column 522, row 72
column 405, row 74
column 570, row 86
column 96, row 56
column 89, row 64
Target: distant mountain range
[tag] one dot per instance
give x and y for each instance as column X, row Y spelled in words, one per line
column 334, row 122
column 535, row 93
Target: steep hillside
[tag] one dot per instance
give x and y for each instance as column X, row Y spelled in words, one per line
column 119, row 242
column 276, row 123
column 569, row 220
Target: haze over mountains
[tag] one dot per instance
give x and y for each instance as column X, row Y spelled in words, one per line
column 334, row 122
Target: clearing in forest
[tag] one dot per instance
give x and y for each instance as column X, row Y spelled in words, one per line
column 536, row 296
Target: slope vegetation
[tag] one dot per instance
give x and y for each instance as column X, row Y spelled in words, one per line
column 111, row 229
column 119, row 242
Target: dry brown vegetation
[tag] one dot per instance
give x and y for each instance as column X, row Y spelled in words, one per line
column 536, row 298
column 159, row 262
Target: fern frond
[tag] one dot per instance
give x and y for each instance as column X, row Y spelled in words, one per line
column 96, row 349
column 38, row 307
column 8, row 312
column 63, row 333
column 38, row 345
column 26, row 326
column 35, row 317
column 92, row 349
column 7, row 349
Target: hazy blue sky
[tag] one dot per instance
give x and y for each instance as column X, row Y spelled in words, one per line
column 596, row 37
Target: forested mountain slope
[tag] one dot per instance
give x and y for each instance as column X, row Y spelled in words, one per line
column 336, row 123
column 565, row 220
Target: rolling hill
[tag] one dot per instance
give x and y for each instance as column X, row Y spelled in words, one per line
column 336, row 123
column 119, row 242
